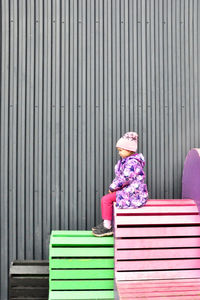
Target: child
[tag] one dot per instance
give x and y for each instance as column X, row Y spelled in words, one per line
column 128, row 188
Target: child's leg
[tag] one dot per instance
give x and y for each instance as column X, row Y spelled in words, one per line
column 107, row 208
column 105, row 228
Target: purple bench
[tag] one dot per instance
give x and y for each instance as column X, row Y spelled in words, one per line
column 191, row 176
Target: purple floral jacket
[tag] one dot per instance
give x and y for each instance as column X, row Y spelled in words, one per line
column 131, row 191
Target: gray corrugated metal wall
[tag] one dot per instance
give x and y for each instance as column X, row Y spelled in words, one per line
column 76, row 75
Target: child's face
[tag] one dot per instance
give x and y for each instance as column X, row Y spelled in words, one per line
column 124, row 153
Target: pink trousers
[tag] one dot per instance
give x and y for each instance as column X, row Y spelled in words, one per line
column 107, row 206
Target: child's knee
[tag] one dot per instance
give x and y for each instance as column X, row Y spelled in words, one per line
column 103, row 200
column 107, row 200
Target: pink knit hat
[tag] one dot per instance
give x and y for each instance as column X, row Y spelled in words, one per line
column 128, row 141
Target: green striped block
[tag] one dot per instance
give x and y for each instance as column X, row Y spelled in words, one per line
column 81, row 266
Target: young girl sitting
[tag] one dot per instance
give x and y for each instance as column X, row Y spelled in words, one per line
column 128, row 188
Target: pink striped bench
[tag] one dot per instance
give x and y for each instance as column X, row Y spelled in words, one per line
column 157, row 250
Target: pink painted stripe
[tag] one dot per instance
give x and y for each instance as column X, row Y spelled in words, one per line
column 149, row 220
column 161, row 202
column 166, row 298
column 157, row 231
column 157, row 264
column 158, row 253
column 146, row 294
column 138, row 290
column 157, row 275
column 161, row 209
column 135, row 284
column 157, row 243
column 170, row 202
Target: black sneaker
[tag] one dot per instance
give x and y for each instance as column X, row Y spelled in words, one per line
column 103, row 231
column 98, row 226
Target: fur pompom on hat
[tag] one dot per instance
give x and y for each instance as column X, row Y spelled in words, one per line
column 128, row 141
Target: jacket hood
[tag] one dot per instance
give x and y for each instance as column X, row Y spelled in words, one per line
column 139, row 157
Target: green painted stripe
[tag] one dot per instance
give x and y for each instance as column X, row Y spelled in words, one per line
column 82, row 274
column 82, row 252
column 76, row 241
column 82, row 285
column 81, row 295
column 90, row 263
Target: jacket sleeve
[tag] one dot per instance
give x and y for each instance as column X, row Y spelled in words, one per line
column 131, row 171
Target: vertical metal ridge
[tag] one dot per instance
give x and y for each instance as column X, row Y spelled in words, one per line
column 101, row 94
column 75, row 115
column 183, row 81
column 143, row 77
column 105, row 92
column 83, row 114
column 139, row 72
column 187, row 74
column 148, row 156
column 118, row 69
column 88, row 109
column 13, row 133
column 63, row 105
column 178, row 97
column 21, row 130
column 109, row 92
column 92, row 146
column 66, row 99
column 122, row 67
column 70, row 102
column 73, row 111
column 97, row 108
column 195, row 82
column 56, row 23
column 38, row 128
column 114, row 80
column 135, row 67
column 153, row 100
column 127, row 66
column 29, row 181
column 191, row 66
column 166, row 98
column 174, row 76
column 161, row 98
column 47, row 188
